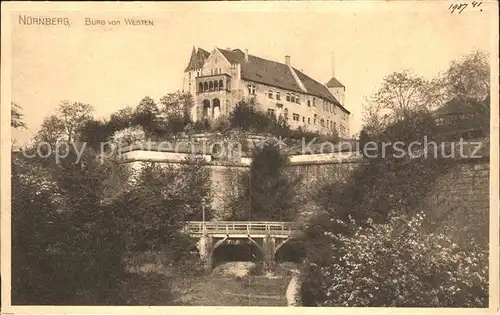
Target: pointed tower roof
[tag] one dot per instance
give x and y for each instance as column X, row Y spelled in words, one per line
column 333, row 82
column 198, row 57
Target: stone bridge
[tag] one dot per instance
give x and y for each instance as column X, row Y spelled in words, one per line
column 267, row 237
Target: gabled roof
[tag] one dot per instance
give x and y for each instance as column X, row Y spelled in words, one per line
column 277, row 74
column 333, row 82
column 233, row 56
column 460, row 104
column 198, row 57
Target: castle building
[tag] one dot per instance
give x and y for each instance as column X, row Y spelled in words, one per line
column 220, row 79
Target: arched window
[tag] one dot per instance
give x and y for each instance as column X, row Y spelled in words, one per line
column 221, row 84
column 278, row 96
column 205, row 85
column 216, row 85
column 215, row 108
column 270, row 94
column 206, row 108
column 200, row 87
column 210, row 86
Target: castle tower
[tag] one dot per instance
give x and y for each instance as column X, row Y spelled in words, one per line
column 335, row 87
column 192, row 71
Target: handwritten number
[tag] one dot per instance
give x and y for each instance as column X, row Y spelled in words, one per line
column 463, row 5
column 459, row 8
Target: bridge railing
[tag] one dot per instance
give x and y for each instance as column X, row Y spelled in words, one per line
column 240, row 227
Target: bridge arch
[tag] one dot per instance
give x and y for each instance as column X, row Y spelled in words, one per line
column 236, row 250
column 290, row 250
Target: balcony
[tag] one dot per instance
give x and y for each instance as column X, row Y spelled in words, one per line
column 213, row 83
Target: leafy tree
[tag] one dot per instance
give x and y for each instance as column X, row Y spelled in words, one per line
column 94, row 132
column 266, row 191
column 121, row 119
column 51, row 130
column 16, row 116
column 34, row 210
column 177, row 105
column 401, row 94
column 146, row 114
column 66, row 123
column 247, row 116
column 468, row 76
column 73, row 117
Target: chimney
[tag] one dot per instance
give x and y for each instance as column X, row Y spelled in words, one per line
column 287, row 60
column 246, row 54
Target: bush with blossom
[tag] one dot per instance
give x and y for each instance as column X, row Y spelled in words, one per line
column 129, row 135
column 399, row 263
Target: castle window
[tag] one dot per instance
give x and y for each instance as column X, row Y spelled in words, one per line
column 315, row 118
column 270, row 94
column 252, row 89
column 288, row 97
column 216, row 85
column 334, row 125
column 309, row 120
column 210, row 86
column 205, row 86
column 309, row 103
column 297, row 99
column 270, row 112
column 296, row 117
column 314, row 101
column 278, row 96
column 303, row 119
column 221, row 84
column 200, row 87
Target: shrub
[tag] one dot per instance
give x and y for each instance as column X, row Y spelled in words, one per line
column 398, row 264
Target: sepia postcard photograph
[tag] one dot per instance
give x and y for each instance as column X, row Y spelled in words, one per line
column 297, row 156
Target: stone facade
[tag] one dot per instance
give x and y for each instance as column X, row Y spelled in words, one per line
column 219, row 80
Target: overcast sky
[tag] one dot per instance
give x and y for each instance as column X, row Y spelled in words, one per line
column 111, row 67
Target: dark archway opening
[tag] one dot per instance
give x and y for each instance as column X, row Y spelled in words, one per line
column 240, row 251
column 215, row 107
column 206, row 108
column 291, row 251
